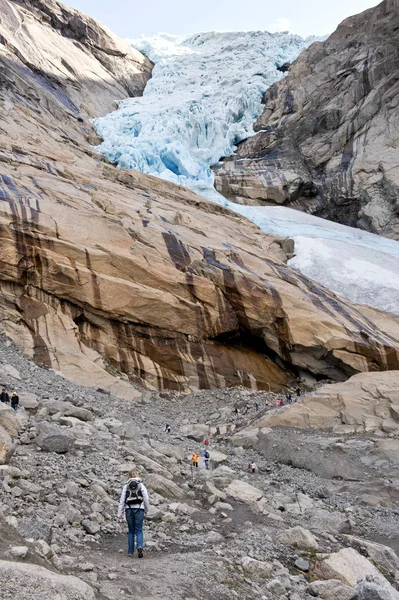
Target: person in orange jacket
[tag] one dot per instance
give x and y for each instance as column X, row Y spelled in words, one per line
column 194, row 459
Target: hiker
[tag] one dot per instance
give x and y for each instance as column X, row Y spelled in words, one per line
column 4, row 397
column 277, row 403
column 194, row 460
column 206, row 442
column 14, row 401
column 256, row 406
column 298, row 393
column 206, row 459
column 135, row 502
column 252, row 467
column 236, row 411
column 167, row 428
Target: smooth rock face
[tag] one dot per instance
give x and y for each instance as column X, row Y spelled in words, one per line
column 326, row 143
column 366, row 402
column 31, row 582
column 98, row 276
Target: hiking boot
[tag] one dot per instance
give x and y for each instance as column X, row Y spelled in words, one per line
column 140, row 552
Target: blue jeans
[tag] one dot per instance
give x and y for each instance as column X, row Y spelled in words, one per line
column 135, row 519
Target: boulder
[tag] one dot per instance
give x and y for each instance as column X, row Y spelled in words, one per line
column 332, row 589
column 51, row 438
column 257, row 569
column 197, row 432
column 217, row 458
column 247, row 438
column 83, row 414
column 376, row 590
column 348, row 566
column 9, row 420
column 36, row 528
column 382, row 556
column 90, row 526
column 9, row 371
column 32, row 582
column 6, row 446
column 28, row 401
column 298, row 537
column 164, row 487
column 243, row 492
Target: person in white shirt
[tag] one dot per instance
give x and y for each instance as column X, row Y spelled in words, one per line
column 135, row 502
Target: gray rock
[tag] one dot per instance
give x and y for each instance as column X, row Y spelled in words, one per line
column 36, row 528
column 332, row 589
column 53, row 439
column 32, row 581
column 376, row 590
column 302, row 565
column 19, row 551
column 90, row 526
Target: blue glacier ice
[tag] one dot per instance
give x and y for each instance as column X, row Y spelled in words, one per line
column 205, row 93
column 203, row 98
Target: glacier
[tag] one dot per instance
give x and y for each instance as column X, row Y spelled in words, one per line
column 205, row 93
column 203, row 98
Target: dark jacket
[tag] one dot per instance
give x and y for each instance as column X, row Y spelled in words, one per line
column 14, row 400
column 4, row 397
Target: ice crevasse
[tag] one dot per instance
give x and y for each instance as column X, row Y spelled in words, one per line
column 203, row 98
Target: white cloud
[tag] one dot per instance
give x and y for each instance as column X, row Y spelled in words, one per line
column 282, row 24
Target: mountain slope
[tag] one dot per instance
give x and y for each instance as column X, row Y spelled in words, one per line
column 106, row 272
column 328, row 136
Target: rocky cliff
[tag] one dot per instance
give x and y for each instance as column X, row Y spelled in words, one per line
column 327, row 140
column 114, row 277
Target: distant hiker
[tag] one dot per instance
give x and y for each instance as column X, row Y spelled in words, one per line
column 256, row 406
column 277, row 402
column 282, row 402
column 135, row 502
column 194, row 460
column 167, row 428
column 4, row 397
column 288, row 397
column 14, row 401
column 252, row 467
column 236, row 411
column 206, row 442
column 207, row 456
column 298, row 393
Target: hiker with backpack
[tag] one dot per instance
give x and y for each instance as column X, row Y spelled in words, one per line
column 206, row 456
column 135, row 502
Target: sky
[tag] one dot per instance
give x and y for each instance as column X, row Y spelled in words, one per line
column 133, row 18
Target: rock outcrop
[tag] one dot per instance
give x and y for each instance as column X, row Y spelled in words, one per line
column 106, row 272
column 366, row 402
column 327, row 139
